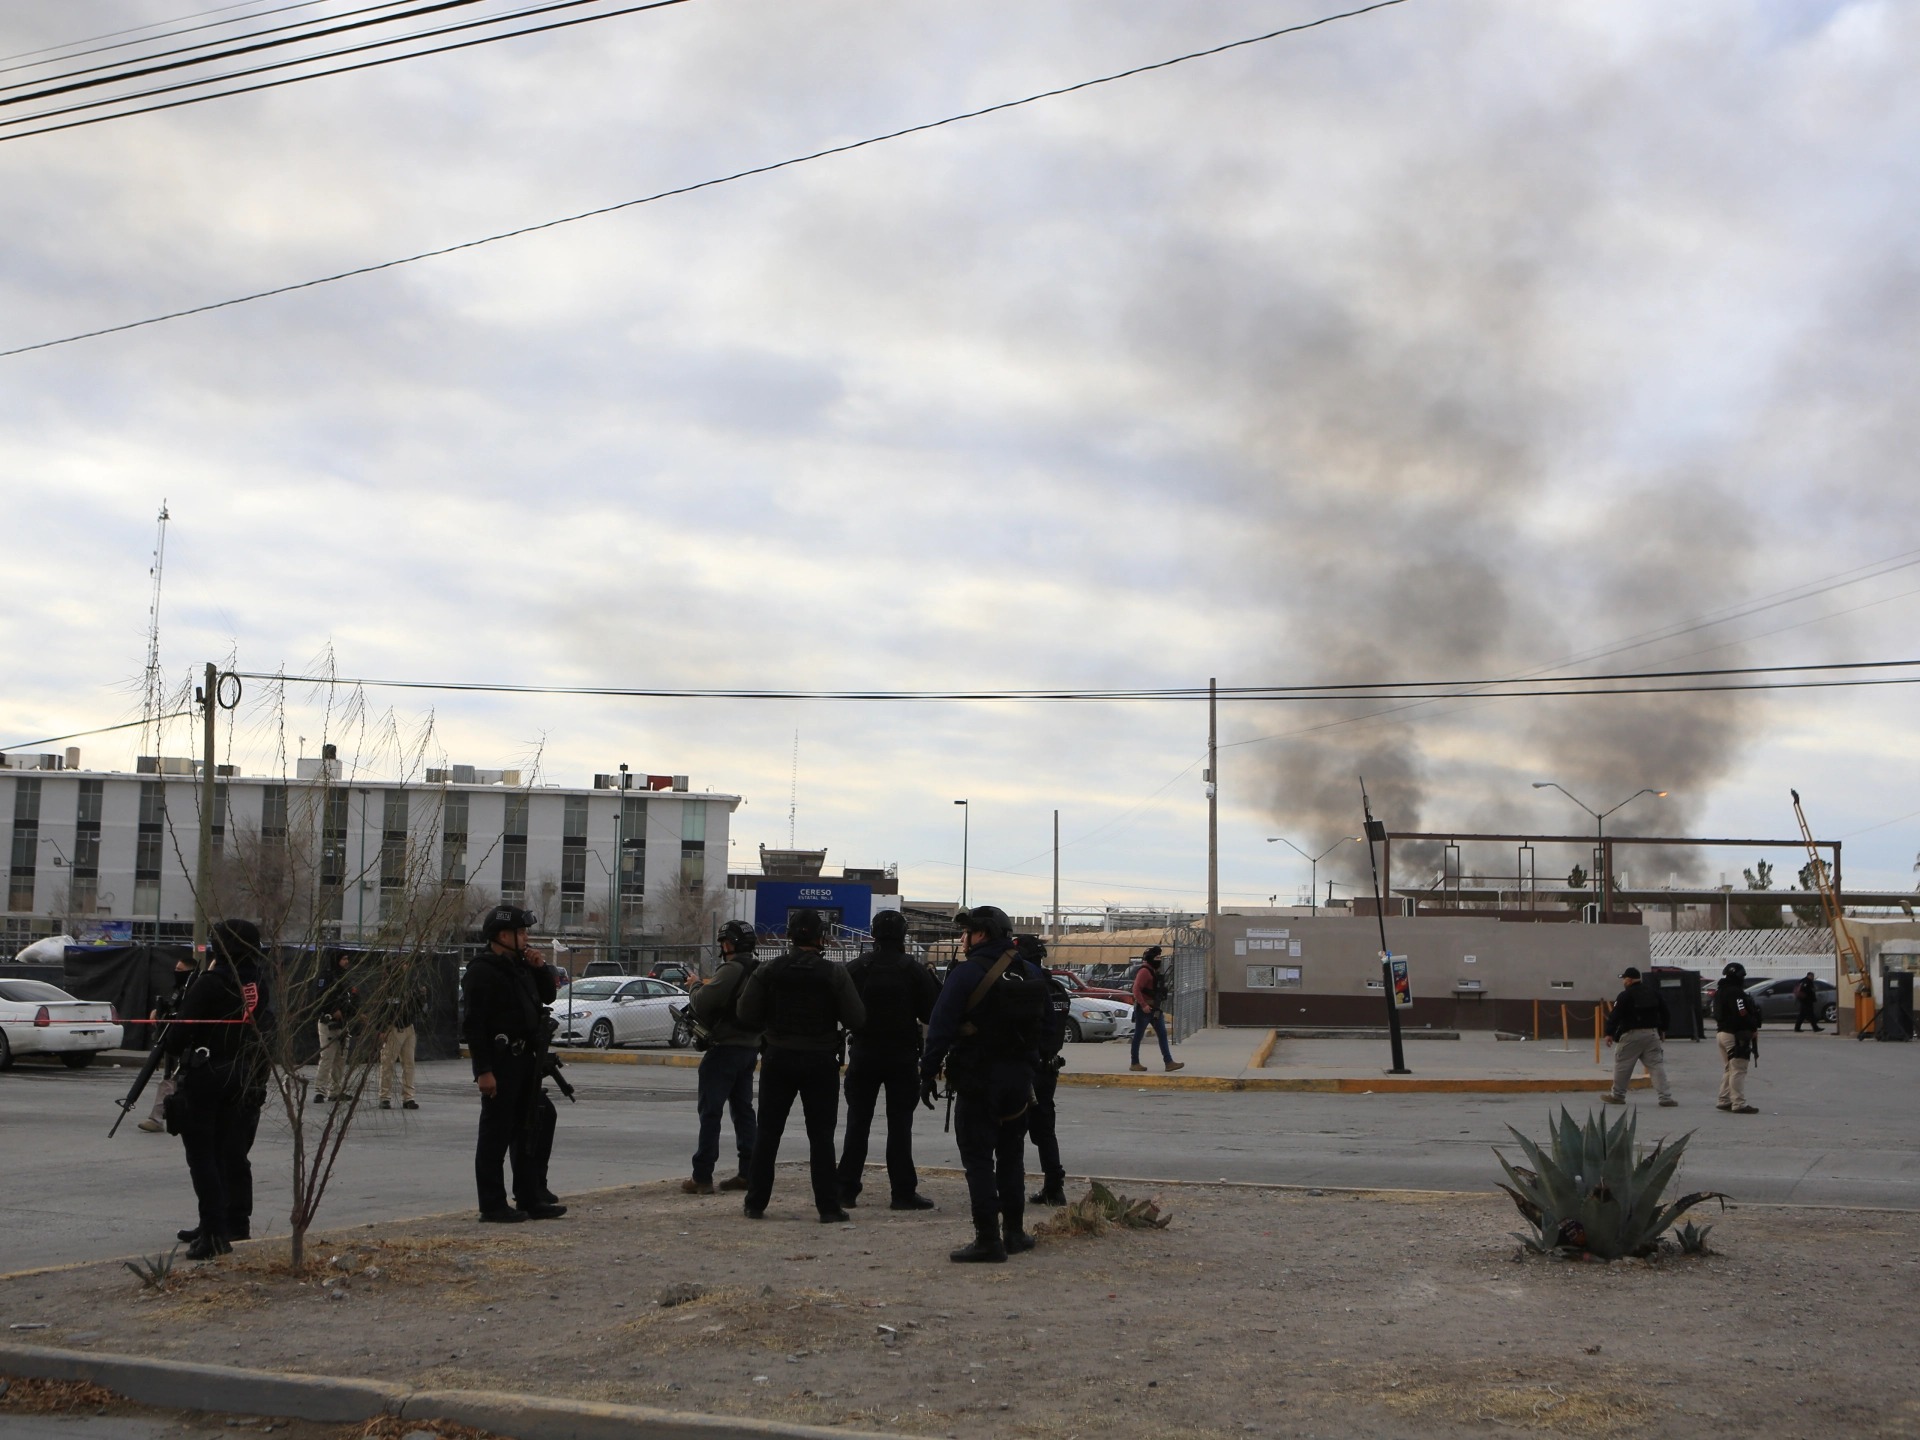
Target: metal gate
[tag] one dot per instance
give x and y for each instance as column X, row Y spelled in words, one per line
column 1188, row 1009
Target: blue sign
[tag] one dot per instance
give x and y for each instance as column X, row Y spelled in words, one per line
column 840, row 902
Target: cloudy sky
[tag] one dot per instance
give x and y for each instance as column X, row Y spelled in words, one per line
column 1457, row 340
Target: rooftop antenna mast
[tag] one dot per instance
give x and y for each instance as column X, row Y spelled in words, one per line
column 151, row 714
column 793, row 792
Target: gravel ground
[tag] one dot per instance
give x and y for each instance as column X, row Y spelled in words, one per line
column 1256, row 1311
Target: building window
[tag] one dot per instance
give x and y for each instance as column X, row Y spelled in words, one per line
column 453, row 841
column 513, row 850
column 26, row 842
column 633, row 854
column 333, row 854
column 273, row 815
column 1273, row 977
column 84, row 889
column 219, row 818
column 573, row 862
column 393, row 847
column 148, row 851
column 693, row 844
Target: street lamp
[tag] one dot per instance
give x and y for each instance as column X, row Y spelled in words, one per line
column 1313, row 882
column 966, row 825
column 1600, row 832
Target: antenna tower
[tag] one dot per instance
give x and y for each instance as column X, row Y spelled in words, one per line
column 793, row 793
column 151, row 711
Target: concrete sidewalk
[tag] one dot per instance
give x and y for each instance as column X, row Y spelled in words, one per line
column 1254, row 1059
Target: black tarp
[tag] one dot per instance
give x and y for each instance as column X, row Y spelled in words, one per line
column 133, row 977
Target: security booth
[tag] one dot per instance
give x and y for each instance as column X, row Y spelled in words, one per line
column 1682, row 990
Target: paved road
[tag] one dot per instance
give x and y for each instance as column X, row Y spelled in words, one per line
column 1837, row 1130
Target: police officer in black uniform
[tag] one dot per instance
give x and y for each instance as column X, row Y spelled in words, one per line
column 884, row 1054
column 507, row 988
column 987, row 1028
column 800, row 1000
column 209, row 1042
column 1041, row 1120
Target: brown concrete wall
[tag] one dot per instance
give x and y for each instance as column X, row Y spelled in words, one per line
column 1515, row 965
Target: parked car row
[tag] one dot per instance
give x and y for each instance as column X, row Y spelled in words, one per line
column 1778, row 1001
column 41, row 1019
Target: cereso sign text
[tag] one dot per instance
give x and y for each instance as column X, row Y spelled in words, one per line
column 840, row 902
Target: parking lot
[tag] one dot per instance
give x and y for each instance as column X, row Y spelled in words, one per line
column 1836, row 1129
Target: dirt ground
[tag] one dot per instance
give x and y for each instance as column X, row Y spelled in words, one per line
column 1256, row 1311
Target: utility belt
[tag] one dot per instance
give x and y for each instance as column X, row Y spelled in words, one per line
column 506, row 1045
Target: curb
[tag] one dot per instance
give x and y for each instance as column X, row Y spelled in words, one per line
column 574, row 1055
column 1348, row 1084
column 222, row 1389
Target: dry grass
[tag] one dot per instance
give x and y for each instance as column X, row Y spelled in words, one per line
column 389, row 1427
column 1521, row 1402
column 54, row 1397
column 797, row 1321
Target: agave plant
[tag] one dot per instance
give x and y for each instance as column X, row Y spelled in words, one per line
column 1591, row 1196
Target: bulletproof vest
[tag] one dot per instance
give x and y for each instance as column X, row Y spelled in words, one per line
column 1159, row 985
column 1061, row 1001
column 800, row 995
column 1646, row 1007
column 888, row 988
column 1011, row 1016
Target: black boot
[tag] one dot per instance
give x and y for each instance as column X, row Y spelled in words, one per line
column 1053, row 1192
column 207, row 1245
column 986, row 1248
column 1014, row 1239
column 189, row 1236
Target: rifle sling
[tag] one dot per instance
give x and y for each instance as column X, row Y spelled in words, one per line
column 967, row 1027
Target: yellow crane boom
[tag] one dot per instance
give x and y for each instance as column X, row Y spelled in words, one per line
column 1846, row 950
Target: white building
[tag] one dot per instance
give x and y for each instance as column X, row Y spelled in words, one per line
column 95, row 846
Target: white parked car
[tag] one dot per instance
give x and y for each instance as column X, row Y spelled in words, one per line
column 1098, row 1019
column 610, row 1010
column 41, row 1019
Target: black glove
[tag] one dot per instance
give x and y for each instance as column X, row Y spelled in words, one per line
column 929, row 1090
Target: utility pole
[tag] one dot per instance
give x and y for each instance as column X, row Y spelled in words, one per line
column 1213, row 850
column 1056, row 877
column 203, row 867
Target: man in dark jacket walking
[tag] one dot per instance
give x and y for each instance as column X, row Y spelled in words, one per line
column 986, row 1029
column 800, row 999
column 1636, row 1032
column 1807, row 994
column 726, row 1070
column 507, row 988
column 1737, row 1017
column 1149, row 1007
column 884, row 1054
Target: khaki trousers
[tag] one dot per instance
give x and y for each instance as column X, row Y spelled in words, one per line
column 397, row 1046
column 1733, row 1078
column 1643, row 1047
column 331, row 1076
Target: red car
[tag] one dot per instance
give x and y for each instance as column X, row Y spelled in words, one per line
column 1091, row 992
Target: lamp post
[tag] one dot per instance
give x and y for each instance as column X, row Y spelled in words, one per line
column 1313, row 882
column 1600, row 832
column 966, row 825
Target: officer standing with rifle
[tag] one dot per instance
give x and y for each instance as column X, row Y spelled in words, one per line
column 800, row 999
column 884, row 1054
column 236, row 943
column 726, row 1070
column 988, row 1026
column 337, row 1001
column 168, row 1005
column 1041, row 1121
column 213, row 1048
column 507, row 988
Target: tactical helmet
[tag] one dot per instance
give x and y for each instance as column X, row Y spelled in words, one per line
column 506, row 917
column 1151, row 953
column 805, row 927
column 1032, row 947
column 990, row 920
column 234, row 941
column 740, row 934
column 1734, row 971
column 890, row 930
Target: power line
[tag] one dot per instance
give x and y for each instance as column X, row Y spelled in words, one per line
column 136, row 66
column 684, row 189
column 26, row 55
column 102, row 730
column 205, row 81
column 1365, row 691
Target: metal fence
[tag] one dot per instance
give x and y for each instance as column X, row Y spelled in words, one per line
column 1188, row 1009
